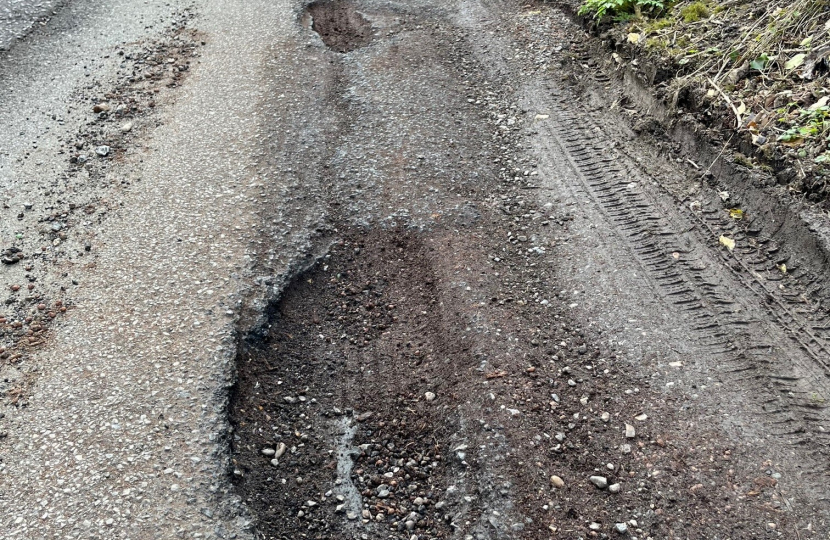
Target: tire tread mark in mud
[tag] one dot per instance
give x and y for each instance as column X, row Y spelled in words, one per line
column 693, row 288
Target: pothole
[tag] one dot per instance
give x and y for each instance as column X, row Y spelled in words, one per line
column 333, row 437
column 339, row 25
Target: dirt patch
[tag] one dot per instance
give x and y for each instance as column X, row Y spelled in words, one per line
column 389, row 418
column 339, row 25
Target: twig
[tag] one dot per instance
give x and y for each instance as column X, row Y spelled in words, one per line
column 728, row 102
column 722, row 150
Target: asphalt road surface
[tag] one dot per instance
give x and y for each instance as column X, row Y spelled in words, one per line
column 381, row 269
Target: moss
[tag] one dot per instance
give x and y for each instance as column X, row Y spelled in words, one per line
column 694, row 12
column 741, row 159
column 656, row 43
column 659, row 24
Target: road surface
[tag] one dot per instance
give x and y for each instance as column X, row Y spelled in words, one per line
column 382, row 269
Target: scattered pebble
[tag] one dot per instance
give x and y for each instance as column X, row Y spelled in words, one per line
column 600, row 481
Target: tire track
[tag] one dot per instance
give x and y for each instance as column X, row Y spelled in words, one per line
column 762, row 334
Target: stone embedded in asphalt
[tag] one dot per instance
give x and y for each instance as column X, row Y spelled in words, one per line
column 556, row 481
column 101, row 107
column 600, row 481
column 275, row 462
column 630, row 433
column 625, row 448
column 268, row 452
column 429, row 396
column 127, row 127
column 102, row 150
column 614, row 488
column 621, row 528
column 594, row 526
column 605, row 417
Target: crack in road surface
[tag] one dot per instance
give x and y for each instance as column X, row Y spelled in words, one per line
column 387, row 269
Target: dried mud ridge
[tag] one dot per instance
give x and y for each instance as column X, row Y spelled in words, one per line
column 426, row 381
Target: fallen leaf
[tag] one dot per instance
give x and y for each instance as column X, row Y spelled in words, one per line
column 736, row 213
column 795, row 61
column 741, row 108
column 820, row 103
column 728, row 242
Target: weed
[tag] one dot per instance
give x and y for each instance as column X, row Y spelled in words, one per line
column 621, row 9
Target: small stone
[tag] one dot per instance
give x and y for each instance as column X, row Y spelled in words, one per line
column 594, row 526
column 429, row 396
column 625, row 448
column 409, row 525
column 630, row 433
column 600, row 481
column 351, row 516
column 557, row 481
column 127, row 127
column 383, row 493
column 268, row 452
column 340, row 508
column 280, row 450
column 419, row 501
column 102, row 150
column 290, row 399
column 101, row 107
column 275, row 462
column 621, row 528
column 605, row 417
column 571, row 382
column 614, row 488
column 641, row 417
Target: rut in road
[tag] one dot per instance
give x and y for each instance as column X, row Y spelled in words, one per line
column 427, row 367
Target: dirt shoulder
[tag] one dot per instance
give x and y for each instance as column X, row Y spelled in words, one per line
column 752, row 78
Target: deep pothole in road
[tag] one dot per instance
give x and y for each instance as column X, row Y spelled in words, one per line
column 339, row 25
column 331, row 429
